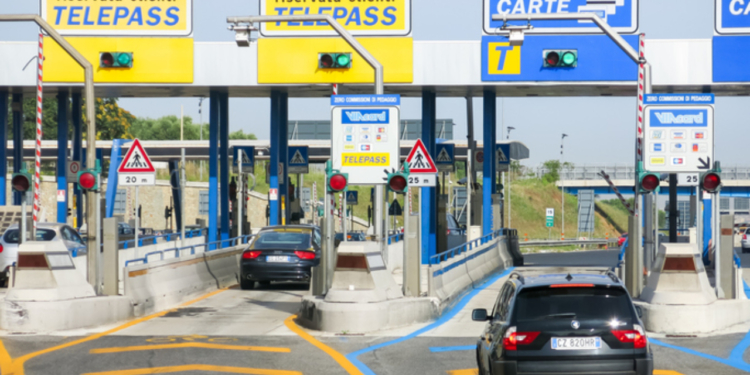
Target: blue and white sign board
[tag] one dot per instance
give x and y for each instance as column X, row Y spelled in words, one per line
column 298, row 159
column 621, row 15
column 502, row 158
column 446, row 157
column 365, row 141
column 352, row 198
column 248, row 158
column 599, row 59
column 678, row 134
column 732, row 17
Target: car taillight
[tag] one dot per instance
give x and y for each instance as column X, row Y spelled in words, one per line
column 250, row 254
column 744, row 237
column 512, row 338
column 637, row 336
column 305, row 255
column 1, row 248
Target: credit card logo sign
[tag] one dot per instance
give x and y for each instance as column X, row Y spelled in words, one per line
column 365, row 138
column 349, row 147
column 699, row 147
column 657, row 161
column 349, row 130
column 381, row 138
column 364, row 129
column 381, row 130
column 700, row 135
column 366, row 116
column 678, row 161
column 658, row 147
column 350, row 138
column 678, row 147
column 657, row 134
column 364, row 147
column 678, row 135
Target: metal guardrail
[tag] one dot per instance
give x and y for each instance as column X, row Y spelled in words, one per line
column 395, row 238
column 207, row 247
column 468, row 246
column 567, row 242
column 169, row 236
column 627, row 172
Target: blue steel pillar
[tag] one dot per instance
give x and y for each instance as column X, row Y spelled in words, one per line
column 224, row 163
column 284, row 156
column 17, row 140
column 3, row 145
column 428, row 195
column 276, row 141
column 488, row 179
column 62, row 154
column 77, row 118
column 213, row 167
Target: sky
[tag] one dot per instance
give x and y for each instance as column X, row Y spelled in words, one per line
column 600, row 129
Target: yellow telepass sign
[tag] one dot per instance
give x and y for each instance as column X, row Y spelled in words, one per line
column 361, row 18
column 365, row 160
column 120, row 17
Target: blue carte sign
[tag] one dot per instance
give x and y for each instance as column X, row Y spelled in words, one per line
column 622, row 15
column 599, row 59
column 732, row 16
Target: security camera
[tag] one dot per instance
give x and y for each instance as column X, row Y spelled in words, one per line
column 243, row 34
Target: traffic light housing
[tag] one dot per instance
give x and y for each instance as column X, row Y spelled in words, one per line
column 21, row 182
column 116, row 59
column 335, row 181
column 566, row 58
column 398, row 181
column 648, row 182
column 88, row 179
column 329, row 60
column 711, row 180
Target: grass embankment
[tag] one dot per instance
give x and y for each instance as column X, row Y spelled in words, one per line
column 530, row 199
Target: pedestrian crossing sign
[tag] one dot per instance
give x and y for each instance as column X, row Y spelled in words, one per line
column 136, row 160
column 445, row 157
column 298, row 159
column 420, row 160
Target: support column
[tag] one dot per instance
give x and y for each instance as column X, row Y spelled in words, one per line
column 224, row 163
column 17, row 140
column 428, row 195
column 488, row 178
column 4, row 145
column 673, row 208
column 275, row 158
column 284, row 156
column 213, row 167
column 77, row 119
column 62, row 154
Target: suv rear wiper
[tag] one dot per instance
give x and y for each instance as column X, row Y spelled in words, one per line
column 561, row 315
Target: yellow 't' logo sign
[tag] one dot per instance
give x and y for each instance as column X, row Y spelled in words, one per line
column 504, row 59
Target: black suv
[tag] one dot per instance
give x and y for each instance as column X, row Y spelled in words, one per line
column 563, row 324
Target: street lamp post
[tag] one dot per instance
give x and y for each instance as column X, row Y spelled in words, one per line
column 510, row 175
column 562, row 182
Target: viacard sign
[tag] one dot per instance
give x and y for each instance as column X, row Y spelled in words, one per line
column 119, row 18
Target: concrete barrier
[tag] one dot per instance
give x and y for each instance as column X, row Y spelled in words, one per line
column 156, row 286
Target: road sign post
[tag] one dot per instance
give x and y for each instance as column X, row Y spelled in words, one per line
column 136, row 170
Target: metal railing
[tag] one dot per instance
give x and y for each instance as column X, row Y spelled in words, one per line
column 169, row 237
column 468, row 246
column 207, row 247
column 627, row 172
column 395, row 238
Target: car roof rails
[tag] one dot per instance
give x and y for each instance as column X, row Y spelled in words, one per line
column 518, row 276
column 612, row 275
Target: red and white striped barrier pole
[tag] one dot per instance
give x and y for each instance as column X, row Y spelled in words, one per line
column 38, row 155
column 335, row 89
column 617, row 191
column 639, row 132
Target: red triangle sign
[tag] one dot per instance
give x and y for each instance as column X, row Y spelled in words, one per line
column 136, row 161
column 419, row 159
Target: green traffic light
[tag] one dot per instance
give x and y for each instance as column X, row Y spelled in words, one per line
column 343, row 60
column 124, row 59
column 569, row 59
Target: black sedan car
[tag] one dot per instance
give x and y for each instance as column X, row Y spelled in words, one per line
column 280, row 253
column 563, row 324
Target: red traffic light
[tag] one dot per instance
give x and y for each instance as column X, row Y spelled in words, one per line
column 650, row 182
column 20, row 183
column 337, row 182
column 397, row 183
column 553, row 58
column 87, row 180
column 711, row 182
column 107, row 60
column 326, row 61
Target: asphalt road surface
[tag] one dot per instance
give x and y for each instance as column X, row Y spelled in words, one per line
column 253, row 332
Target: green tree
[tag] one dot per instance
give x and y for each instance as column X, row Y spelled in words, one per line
column 239, row 134
column 111, row 121
column 553, row 170
column 166, row 128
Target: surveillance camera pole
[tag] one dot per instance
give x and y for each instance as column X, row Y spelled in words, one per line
column 379, row 219
column 88, row 71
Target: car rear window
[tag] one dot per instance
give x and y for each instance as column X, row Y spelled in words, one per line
column 282, row 240
column 585, row 302
column 11, row 235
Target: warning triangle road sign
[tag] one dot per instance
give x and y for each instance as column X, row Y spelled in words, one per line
column 136, row 161
column 297, row 158
column 419, row 159
column 443, row 156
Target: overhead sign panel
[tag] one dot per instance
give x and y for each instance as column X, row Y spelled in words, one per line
column 599, row 59
column 119, row 18
column 361, row 18
column 732, row 17
column 298, row 159
column 365, row 136
column 621, row 15
column 678, row 138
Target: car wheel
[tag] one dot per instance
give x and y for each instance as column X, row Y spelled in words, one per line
column 247, row 284
column 479, row 364
column 264, row 284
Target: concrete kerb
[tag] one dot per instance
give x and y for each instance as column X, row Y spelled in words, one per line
column 681, row 319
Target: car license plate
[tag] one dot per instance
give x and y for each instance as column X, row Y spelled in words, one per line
column 576, row 343
column 277, row 259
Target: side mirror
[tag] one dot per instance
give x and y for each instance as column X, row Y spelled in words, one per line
column 479, row 315
column 639, row 311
